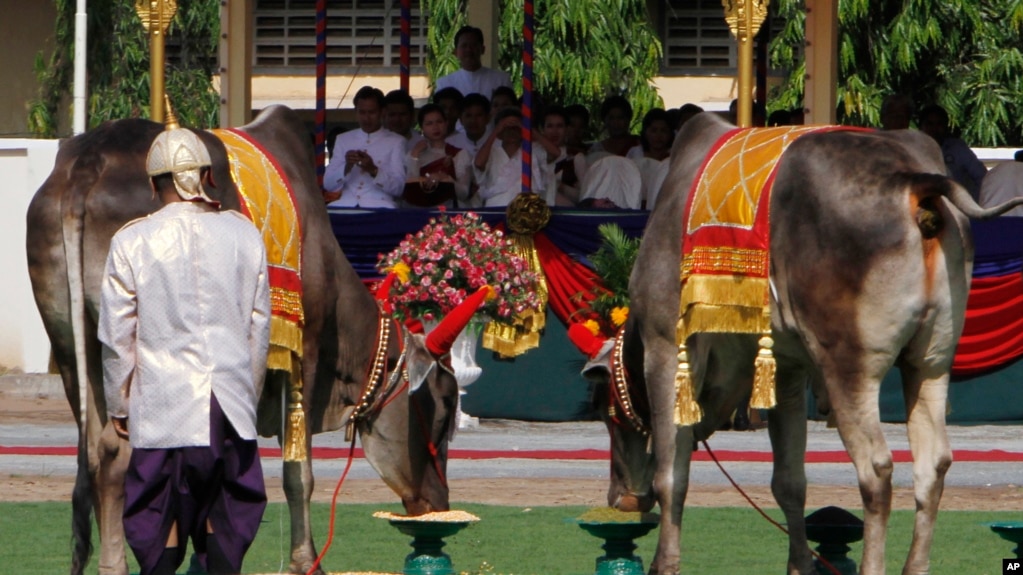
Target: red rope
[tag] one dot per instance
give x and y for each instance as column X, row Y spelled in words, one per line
column 333, row 509
column 761, row 511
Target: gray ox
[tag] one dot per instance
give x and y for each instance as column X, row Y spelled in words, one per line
column 98, row 184
column 871, row 258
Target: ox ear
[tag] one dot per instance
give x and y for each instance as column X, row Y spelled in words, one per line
column 600, row 361
column 418, row 359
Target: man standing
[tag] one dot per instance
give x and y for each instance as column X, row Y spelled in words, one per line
column 184, row 322
column 473, row 77
column 368, row 166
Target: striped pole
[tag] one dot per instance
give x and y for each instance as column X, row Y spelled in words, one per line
column 321, row 90
column 527, row 97
column 406, row 41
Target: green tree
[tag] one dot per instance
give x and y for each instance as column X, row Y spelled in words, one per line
column 118, row 66
column 584, row 50
column 964, row 55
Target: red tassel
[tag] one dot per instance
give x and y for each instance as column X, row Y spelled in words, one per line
column 584, row 339
column 440, row 340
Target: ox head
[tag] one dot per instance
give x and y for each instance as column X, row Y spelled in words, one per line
column 619, row 396
column 407, row 443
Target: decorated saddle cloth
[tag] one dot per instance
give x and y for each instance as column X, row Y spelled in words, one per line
column 725, row 246
column 268, row 199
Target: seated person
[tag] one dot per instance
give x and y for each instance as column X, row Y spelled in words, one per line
column 475, row 120
column 758, row 112
column 569, row 169
column 616, row 113
column 498, row 164
column 612, row 181
column 367, row 168
column 896, row 112
column 961, row 163
column 399, row 111
column 503, row 97
column 449, row 100
column 577, row 129
column 1001, row 184
column 655, row 138
column 436, row 172
column 686, row 113
column 475, row 123
column 472, row 77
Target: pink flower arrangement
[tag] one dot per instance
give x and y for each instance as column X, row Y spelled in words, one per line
column 451, row 258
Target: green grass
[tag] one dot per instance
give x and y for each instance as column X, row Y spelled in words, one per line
column 35, row 539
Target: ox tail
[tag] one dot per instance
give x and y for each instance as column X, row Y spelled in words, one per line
column 929, row 185
column 72, row 210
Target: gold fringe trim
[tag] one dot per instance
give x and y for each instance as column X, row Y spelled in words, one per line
column 687, row 411
column 763, row 396
column 510, row 340
column 286, row 333
column 278, row 358
column 523, row 333
column 295, row 428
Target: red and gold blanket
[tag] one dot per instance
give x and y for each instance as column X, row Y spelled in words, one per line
column 269, row 201
column 725, row 247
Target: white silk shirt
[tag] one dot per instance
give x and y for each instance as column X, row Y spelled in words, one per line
column 184, row 311
column 358, row 188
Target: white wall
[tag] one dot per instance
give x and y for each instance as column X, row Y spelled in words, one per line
column 24, row 165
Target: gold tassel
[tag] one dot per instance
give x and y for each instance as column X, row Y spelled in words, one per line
column 687, row 410
column 294, row 428
column 294, row 436
column 763, row 396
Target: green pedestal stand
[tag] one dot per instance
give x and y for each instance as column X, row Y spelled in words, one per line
column 834, row 529
column 1010, row 531
column 618, row 558
column 427, row 558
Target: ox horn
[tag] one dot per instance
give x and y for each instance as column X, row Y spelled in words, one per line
column 440, row 340
column 585, row 340
column 382, row 292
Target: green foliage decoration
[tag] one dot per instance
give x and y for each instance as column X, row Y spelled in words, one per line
column 584, row 50
column 612, row 264
column 965, row 55
column 118, row 66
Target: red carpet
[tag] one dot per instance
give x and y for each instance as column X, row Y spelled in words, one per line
column 899, row 455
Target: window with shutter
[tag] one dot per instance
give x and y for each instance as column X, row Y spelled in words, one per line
column 363, row 34
column 696, row 38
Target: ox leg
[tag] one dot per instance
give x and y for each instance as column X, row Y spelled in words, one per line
column 787, row 428
column 926, row 399
column 855, row 403
column 298, row 489
column 671, row 484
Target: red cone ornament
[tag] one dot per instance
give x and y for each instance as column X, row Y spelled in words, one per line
column 440, row 340
column 584, row 339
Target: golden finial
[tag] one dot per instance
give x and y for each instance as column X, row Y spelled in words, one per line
column 171, row 122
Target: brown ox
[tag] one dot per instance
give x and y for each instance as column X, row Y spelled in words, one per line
column 871, row 259
column 98, row 184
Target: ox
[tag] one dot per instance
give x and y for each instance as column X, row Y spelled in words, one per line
column 99, row 183
column 870, row 264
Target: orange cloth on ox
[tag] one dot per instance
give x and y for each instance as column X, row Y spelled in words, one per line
column 267, row 198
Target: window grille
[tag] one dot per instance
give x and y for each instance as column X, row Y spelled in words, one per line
column 696, row 38
column 360, row 33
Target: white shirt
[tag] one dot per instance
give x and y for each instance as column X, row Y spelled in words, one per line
column 480, row 81
column 359, row 188
column 501, row 180
column 184, row 312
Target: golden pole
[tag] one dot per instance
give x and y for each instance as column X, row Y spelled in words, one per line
column 156, row 16
column 744, row 19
